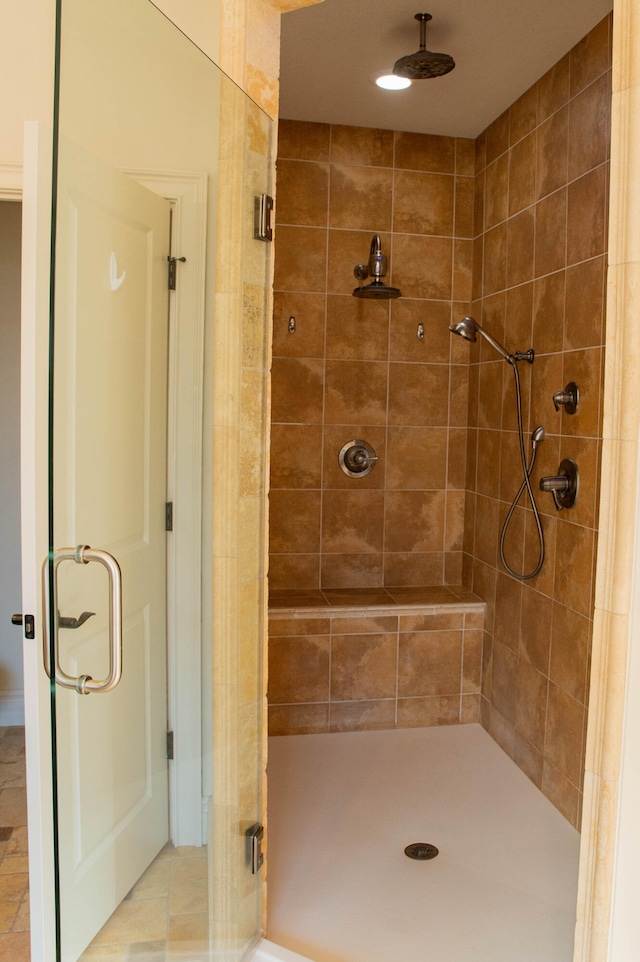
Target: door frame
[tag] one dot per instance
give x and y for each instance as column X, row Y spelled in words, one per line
column 187, row 193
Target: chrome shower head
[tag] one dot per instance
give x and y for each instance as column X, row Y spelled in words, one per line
column 469, row 328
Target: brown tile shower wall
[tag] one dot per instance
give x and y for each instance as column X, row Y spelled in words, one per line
column 341, row 669
column 356, row 369
column 538, row 280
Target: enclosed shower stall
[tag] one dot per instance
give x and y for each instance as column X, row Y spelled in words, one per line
column 390, row 606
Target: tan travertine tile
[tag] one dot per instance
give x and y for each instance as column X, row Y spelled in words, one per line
column 303, row 140
column 363, row 667
column 303, row 192
column 298, row 719
column 188, row 895
column 188, row 928
column 422, row 712
column 424, row 152
column 15, row 946
column 436, row 621
column 14, row 865
column 13, row 807
column 299, row 669
column 523, row 115
column 18, row 843
column 361, row 198
column 23, row 918
column 154, row 883
column 106, row 953
column 144, row 921
column 429, row 663
column 591, row 56
column 361, row 145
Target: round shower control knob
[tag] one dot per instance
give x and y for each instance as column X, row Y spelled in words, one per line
column 357, row 458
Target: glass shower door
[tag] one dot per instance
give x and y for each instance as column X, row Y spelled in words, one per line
column 141, row 113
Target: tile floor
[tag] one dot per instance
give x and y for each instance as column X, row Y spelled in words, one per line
column 14, row 871
column 342, row 808
column 163, row 918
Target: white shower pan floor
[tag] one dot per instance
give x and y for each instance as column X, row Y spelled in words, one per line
column 342, row 809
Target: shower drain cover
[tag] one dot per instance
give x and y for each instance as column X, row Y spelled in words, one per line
column 421, row 850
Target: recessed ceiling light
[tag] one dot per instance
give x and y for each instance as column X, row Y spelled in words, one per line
column 391, row 82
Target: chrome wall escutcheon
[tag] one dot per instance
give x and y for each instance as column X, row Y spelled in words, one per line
column 357, row 458
column 83, row 684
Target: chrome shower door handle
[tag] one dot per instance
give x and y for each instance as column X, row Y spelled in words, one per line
column 83, row 684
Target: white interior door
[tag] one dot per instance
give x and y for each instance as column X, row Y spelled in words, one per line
column 109, row 492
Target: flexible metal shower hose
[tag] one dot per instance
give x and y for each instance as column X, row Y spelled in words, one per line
column 526, row 483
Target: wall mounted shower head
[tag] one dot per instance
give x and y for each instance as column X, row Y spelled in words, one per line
column 469, row 328
column 376, row 268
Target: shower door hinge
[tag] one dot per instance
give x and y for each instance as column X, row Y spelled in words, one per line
column 172, row 261
column 262, row 218
column 170, row 746
column 168, row 516
column 255, row 856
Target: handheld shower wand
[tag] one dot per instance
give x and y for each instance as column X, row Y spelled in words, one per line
column 469, row 328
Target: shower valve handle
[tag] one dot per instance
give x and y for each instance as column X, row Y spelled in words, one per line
column 556, row 482
column 569, row 398
column 563, row 486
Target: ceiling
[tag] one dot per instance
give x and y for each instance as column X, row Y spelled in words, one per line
column 501, row 47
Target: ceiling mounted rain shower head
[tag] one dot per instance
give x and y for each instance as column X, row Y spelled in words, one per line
column 376, row 268
column 423, row 64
